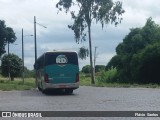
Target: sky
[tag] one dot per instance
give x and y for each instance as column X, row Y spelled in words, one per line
column 20, row 14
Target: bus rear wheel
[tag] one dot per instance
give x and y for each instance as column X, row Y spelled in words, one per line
column 69, row 91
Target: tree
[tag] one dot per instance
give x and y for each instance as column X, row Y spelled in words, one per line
column 116, row 61
column 86, row 69
column 138, row 55
column 99, row 68
column 83, row 52
column 15, row 64
column 146, row 66
column 7, row 35
column 103, row 11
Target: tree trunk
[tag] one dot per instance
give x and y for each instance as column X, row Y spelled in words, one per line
column 12, row 78
column 90, row 50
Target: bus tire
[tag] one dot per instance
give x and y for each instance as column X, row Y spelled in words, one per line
column 68, row 91
column 44, row 91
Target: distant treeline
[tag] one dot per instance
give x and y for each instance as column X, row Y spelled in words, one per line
column 87, row 69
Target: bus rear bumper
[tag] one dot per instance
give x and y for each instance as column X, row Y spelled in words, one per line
column 61, row 85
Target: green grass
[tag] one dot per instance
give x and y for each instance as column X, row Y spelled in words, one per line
column 29, row 83
column 17, row 84
column 86, row 81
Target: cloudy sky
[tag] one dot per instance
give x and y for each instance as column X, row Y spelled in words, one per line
column 20, row 14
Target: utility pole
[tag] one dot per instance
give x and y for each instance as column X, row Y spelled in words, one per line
column 22, row 58
column 35, row 43
column 35, row 36
column 95, row 61
column 35, row 39
column 23, row 55
column 9, row 76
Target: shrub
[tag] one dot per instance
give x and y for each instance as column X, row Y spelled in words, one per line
column 1, row 81
column 108, row 76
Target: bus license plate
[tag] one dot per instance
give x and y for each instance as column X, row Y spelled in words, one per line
column 62, row 86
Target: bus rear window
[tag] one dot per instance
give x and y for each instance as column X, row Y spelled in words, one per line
column 61, row 58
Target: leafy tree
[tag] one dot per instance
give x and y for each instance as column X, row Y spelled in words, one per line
column 138, row 54
column 83, row 52
column 15, row 64
column 115, row 61
column 146, row 66
column 7, row 35
column 99, row 68
column 86, row 69
column 103, row 11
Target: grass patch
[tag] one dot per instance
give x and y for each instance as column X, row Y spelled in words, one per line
column 86, row 81
column 29, row 83
column 17, row 84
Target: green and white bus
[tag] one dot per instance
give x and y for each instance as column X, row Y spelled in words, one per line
column 57, row 70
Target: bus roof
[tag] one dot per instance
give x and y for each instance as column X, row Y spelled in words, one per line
column 56, row 51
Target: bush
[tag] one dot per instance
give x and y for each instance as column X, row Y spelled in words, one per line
column 1, row 81
column 108, row 76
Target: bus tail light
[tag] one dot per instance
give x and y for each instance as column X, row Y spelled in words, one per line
column 77, row 77
column 46, row 78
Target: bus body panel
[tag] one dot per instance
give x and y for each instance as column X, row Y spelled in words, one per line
column 60, row 73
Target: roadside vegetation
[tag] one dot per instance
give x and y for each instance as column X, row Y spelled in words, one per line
column 17, row 84
column 138, row 56
column 136, row 63
column 85, row 80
